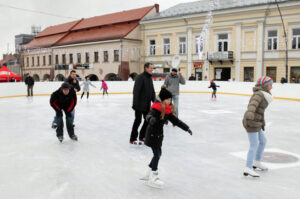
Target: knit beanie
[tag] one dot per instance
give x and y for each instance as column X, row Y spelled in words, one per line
column 164, row 94
column 264, row 81
column 174, row 70
column 65, row 86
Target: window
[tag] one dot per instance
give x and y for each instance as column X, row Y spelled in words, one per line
column 105, row 56
column 182, row 45
column 166, row 46
column 78, row 58
column 87, row 57
column 32, row 61
column 116, row 55
column 56, row 59
column 223, row 42
column 197, row 46
column 71, row 58
column 272, row 40
column 38, row 60
column 249, row 74
column 96, row 57
column 27, row 60
column 44, row 60
column 296, row 39
column 64, row 58
column 50, row 59
column 295, row 74
column 152, row 47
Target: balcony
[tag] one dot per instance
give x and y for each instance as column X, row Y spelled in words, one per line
column 220, row 57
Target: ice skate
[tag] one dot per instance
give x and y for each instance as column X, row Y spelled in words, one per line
column 141, row 141
column 250, row 172
column 133, row 142
column 54, row 125
column 60, row 138
column 147, row 175
column 154, row 180
column 74, row 137
column 260, row 166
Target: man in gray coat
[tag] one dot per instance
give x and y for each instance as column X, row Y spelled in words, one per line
column 172, row 84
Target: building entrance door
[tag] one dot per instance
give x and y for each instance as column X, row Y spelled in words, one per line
column 271, row 72
column 222, row 74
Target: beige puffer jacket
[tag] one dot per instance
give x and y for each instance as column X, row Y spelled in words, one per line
column 254, row 119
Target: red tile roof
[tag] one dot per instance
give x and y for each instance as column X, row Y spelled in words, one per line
column 58, row 28
column 119, row 17
column 98, row 34
column 110, row 26
column 40, row 42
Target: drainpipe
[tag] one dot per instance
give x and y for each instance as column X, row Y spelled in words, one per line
column 286, row 44
column 267, row 12
column 121, row 54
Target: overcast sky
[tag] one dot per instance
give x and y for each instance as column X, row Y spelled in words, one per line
column 14, row 21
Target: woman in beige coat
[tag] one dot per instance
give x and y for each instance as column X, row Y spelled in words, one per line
column 254, row 123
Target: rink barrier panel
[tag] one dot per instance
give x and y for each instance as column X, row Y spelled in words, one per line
column 289, row 92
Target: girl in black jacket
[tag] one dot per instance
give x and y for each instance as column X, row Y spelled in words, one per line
column 161, row 111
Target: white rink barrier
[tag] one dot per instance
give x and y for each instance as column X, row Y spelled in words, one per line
column 279, row 91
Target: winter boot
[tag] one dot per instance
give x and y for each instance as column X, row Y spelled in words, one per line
column 250, row 172
column 259, row 165
column 60, row 138
column 147, row 175
column 74, row 137
column 154, row 180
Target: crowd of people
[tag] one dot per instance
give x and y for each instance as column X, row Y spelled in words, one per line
column 157, row 110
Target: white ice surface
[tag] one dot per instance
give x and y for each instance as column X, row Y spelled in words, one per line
column 34, row 165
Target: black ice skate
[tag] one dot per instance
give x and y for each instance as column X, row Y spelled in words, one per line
column 74, row 137
column 54, row 125
column 60, row 138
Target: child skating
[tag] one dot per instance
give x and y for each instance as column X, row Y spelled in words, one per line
column 254, row 123
column 104, row 87
column 161, row 110
column 86, row 87
column 214, row 87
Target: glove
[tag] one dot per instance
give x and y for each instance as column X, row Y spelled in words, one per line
column 59, row 114
column 263, row 128
column 190, row 132
column 152, row 121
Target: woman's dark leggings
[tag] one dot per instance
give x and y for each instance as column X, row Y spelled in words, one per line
column 105, row 91
column 87, row 95
column 156, row 155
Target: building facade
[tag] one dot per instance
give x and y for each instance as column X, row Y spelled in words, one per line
column 245, row 40
column 101, row 47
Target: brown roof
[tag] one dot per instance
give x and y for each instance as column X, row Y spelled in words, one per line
column 119, row 17
column 110, row 26
column 58, row 28
column 7, row 58
column 98, row 34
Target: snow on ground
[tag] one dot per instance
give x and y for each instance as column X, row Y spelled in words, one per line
column 34, row 165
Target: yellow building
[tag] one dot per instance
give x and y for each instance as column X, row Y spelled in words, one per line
column 245, row 40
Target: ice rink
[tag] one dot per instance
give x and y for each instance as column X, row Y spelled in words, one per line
column 102, row 164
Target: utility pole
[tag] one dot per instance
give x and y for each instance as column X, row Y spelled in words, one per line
column 286, row 43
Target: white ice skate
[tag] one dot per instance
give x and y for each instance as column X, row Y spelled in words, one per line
column 260, row 166
column 147, row 175
column 154, row 180
column 250, row 172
